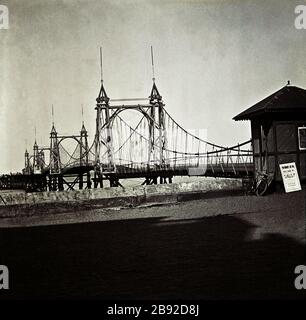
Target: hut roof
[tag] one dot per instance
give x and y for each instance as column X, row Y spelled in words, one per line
column 287, row 99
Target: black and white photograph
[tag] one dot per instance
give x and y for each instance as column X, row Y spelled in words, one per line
column 152, row 151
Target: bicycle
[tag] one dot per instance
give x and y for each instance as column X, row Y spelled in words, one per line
column 261, row 183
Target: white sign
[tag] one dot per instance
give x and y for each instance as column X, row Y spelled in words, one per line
column 290, row 177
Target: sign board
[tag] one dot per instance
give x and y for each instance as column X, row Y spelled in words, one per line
column 302, row 138
column 290, row 177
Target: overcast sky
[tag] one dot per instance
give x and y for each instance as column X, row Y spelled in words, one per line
column 213, row 59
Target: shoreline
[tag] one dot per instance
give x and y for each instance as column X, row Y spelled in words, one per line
column 167, row 212
column 23, row 204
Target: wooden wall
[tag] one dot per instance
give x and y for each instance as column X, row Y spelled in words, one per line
column 282, row 146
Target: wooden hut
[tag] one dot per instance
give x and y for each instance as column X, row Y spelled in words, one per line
column 278, row 125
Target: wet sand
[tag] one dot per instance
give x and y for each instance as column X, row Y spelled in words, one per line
column 222, row 248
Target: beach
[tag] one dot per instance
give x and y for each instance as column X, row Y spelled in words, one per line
column 226, row 247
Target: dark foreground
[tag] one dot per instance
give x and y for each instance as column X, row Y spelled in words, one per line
column 250, row 254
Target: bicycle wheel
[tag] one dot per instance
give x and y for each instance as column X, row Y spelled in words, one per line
column 262, row 188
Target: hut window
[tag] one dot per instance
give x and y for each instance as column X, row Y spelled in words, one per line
column 286, row 137
column 302, row 138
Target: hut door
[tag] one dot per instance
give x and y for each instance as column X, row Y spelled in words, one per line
column 264, row 150
column 266, row 145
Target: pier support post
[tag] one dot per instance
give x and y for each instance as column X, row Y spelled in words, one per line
column 88, row 180
column 60, row 183
column 80, row 181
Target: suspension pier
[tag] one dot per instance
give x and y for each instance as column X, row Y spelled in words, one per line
column 156, row 150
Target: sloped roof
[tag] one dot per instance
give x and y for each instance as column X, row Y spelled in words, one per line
column 287, row 99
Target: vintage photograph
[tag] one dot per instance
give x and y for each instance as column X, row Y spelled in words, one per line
column 152, row 150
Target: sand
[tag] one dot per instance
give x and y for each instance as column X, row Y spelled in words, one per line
column 223, row 248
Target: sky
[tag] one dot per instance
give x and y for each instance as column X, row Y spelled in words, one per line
column 213, row 59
